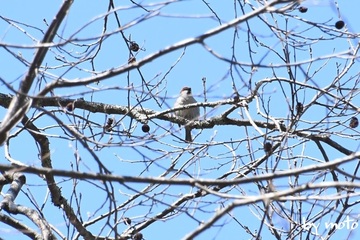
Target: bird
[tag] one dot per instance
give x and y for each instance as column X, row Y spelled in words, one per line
column 190, row 114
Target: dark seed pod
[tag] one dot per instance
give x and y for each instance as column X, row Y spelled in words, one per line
column 127, row 220
column 131, row 60
column 267, row 147
column 303, row 9
column 134, row 47
column 138, row 236
column 236, row 97
column 339, row 24
column 299, row 107
column 145, row 128
column 70, row 106
column 354, row 122
column 108, row 126
column 110, row 121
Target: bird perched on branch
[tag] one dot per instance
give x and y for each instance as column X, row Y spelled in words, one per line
column 190, row 114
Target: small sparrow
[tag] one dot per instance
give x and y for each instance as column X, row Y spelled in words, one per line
column 189, row 113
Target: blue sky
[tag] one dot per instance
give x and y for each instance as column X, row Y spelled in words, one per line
column 175, row 22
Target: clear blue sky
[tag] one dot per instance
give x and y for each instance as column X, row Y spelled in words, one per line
column 176, row 22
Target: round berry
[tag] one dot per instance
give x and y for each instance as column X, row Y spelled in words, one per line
column 134, row 46
column 267, row 147
column 339, row 24
column 127, row 220
column 303, row 9
column 145, row 128
column 354, row 122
